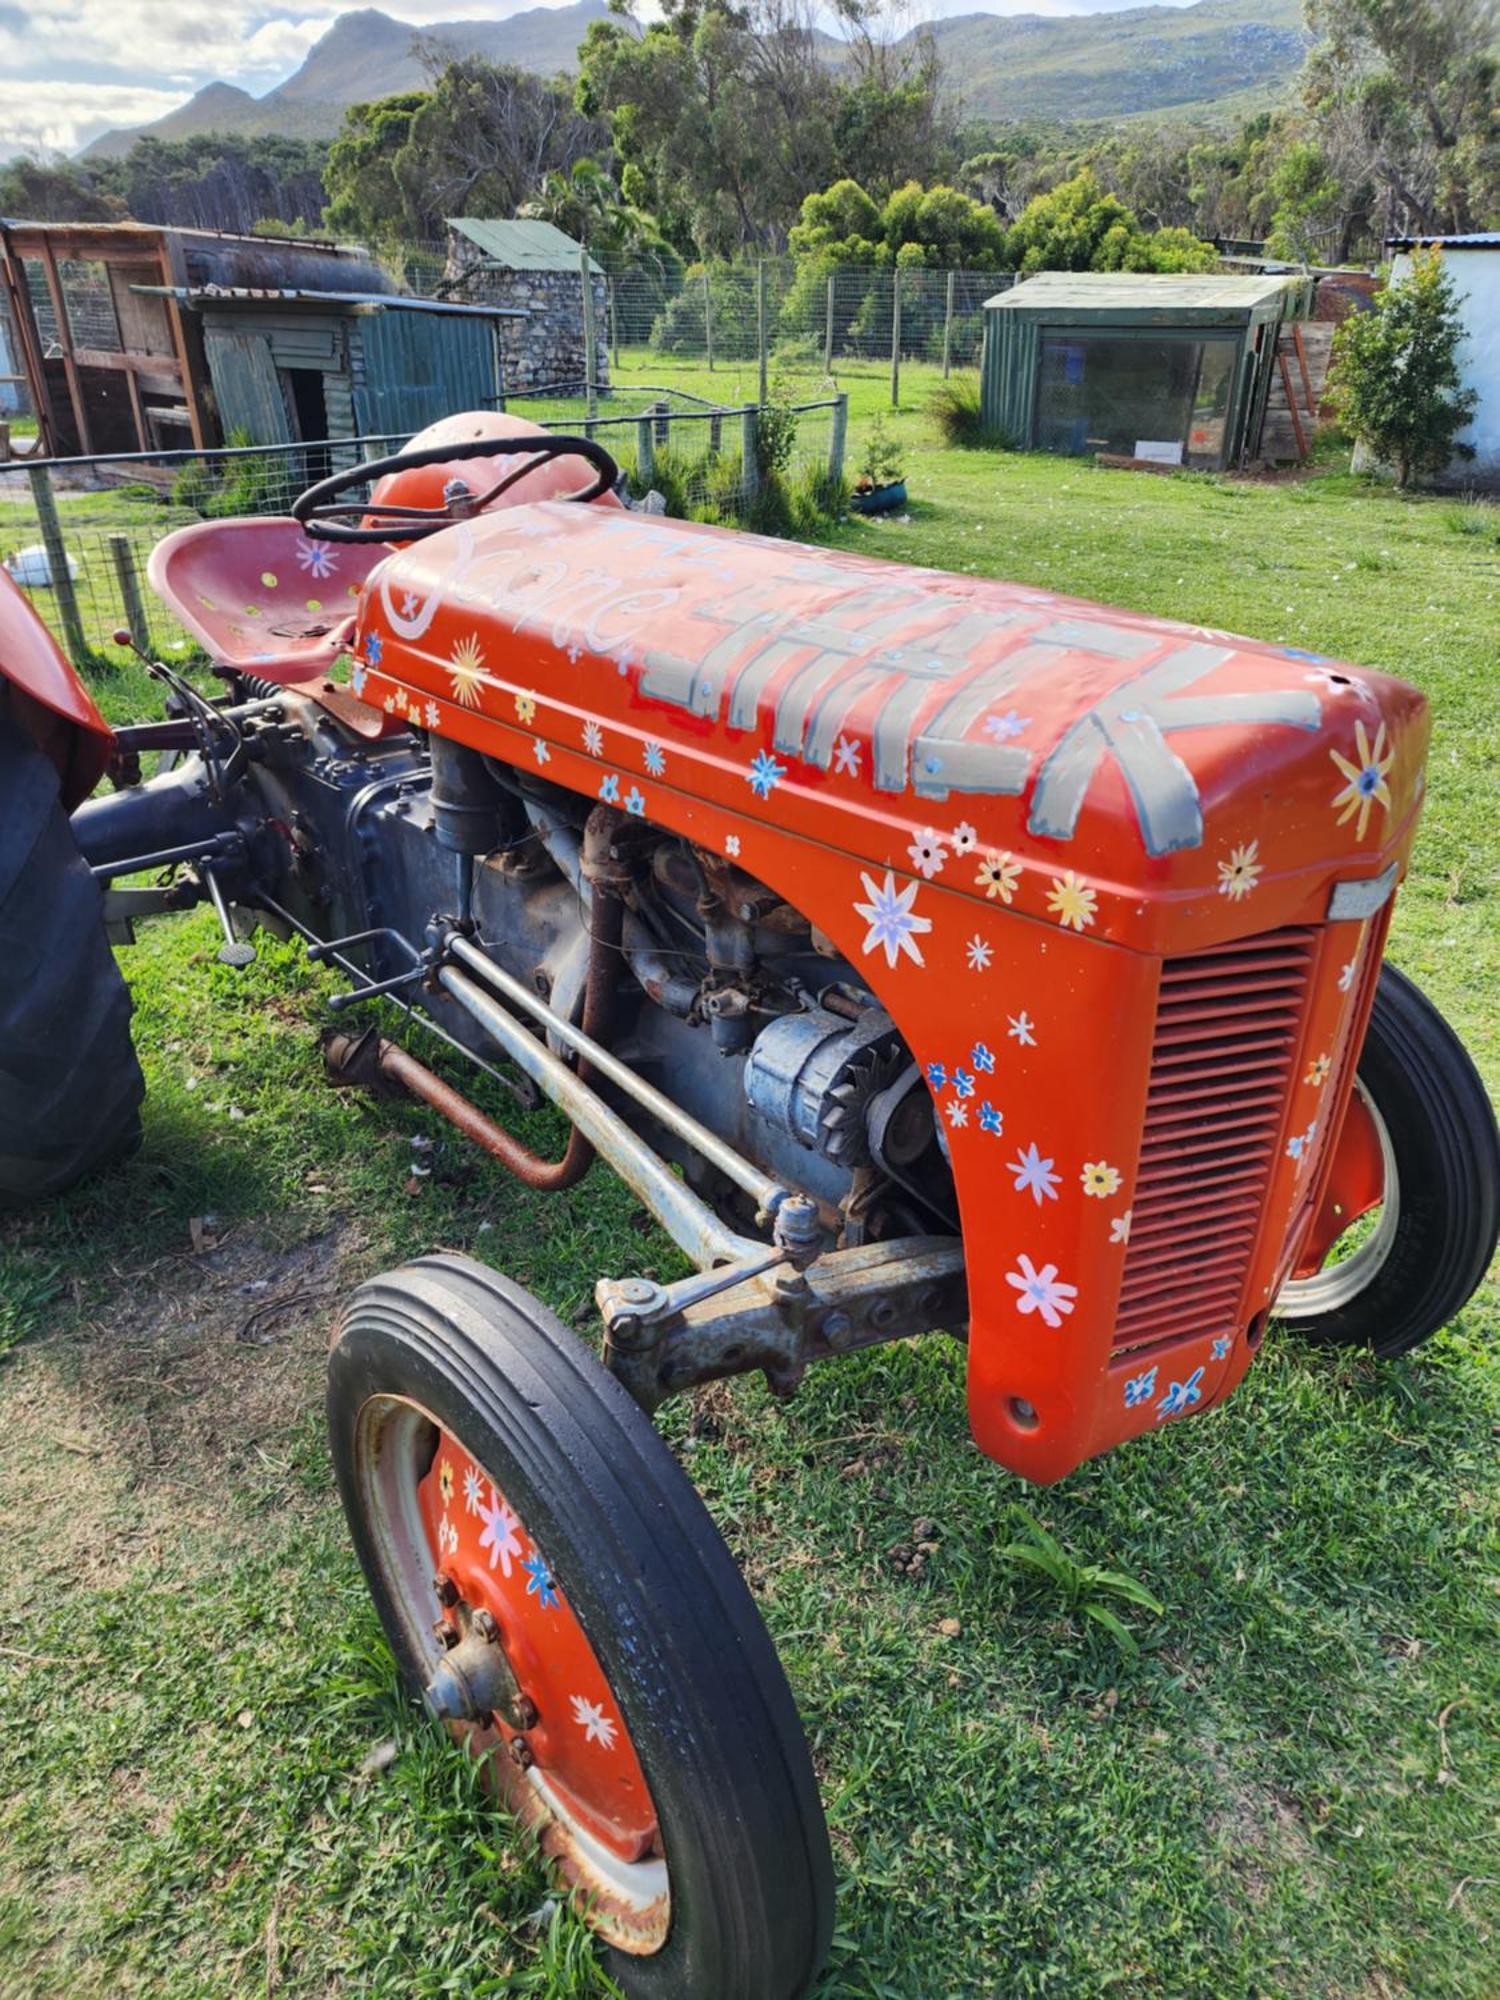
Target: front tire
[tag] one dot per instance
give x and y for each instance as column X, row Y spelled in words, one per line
column 497, row 1479
column 70, row 1085
column 1435, row 1231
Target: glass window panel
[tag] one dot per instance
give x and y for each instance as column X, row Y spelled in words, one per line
column 1160, row 397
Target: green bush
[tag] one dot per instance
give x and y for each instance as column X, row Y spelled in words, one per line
column 957, row 410
column 1395, row 382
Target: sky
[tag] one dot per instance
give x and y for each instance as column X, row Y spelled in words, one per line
column 69, row 69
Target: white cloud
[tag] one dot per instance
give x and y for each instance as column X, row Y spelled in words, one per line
column 57, row 117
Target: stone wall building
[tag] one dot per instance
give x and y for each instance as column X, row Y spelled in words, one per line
column 532, row 267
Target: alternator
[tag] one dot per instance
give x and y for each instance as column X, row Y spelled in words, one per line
column 815, row 1074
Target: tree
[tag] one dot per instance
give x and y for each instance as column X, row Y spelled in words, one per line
column 1402, row 94
column 365, row 198
column 1395, row 380
column 36, row 190
column 1078, row 227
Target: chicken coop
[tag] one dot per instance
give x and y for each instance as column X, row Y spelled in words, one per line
column 1168, row 369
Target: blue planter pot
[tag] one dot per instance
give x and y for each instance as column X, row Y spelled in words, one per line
column 880, row 499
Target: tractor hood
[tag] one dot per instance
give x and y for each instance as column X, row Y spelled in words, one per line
column 1094, row 768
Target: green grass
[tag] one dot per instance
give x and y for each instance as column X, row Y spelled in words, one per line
column 1290, row 1790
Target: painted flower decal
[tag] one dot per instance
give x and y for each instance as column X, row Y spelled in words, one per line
column 1119, row 1228
column 894, row 924
column 1022, row 1029
column 983, row 1058
column 1181, row 1396
column 473, row 1492
column 591, row 1719
column 466, row 670
column 542, row 750
column 990, row 1120
column 846, row 757
column 655, row 759
column 1100, row 1179
column 1366, row 778
column 765, row 774
column 1034, row 1175
column 1140, row 1389
column 539, row 1583
column 1072, row 901
column 1299, row 1146
column 635, row 801
column 928, row 854
column 1240, row 873
column 316, row 558
column 958, row 1113
column 526, row 707
column 609, row 789
column 979, row 953
column 1346, row 975
column 433, row 714
column 1317, row 1071
column 374, row 647
column 963, row 1083
column 1041, row 1291
column 732, row 846
column 593, row 739
column 937, row 1076
column 963, row 838
column 1222, row 1346
column 1003, row 727
column 998, row 875
column 445, row 1480
column 357, row 679
column 500, row 1535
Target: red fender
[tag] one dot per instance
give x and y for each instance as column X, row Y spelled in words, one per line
column 49, row 698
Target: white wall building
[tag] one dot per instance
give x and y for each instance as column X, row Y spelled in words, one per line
column 1473, row 262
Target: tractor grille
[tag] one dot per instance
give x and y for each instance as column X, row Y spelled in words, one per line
column 1227, row 1028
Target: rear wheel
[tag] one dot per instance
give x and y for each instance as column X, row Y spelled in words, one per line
column 554, row 1589
column 70, row 1085
column 1410, row 1220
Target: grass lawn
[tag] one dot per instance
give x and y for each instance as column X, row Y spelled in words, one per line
column 1292, row 1790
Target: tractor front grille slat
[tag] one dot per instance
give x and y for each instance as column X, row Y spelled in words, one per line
column 1222, row 1062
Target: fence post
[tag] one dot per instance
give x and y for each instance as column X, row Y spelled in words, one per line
column 122, row 555
column 750, row 451
column 760, row 324
column 837, row 435
column 662, row 412
column 57, row 561
column 715, row 435
column 896, row 338
column 645, row 451
column 590, row 360
column 828, row 330
column 948, row 325
column 708, row 320
column 614, row 330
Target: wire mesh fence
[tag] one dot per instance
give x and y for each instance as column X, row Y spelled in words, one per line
column 77, row 534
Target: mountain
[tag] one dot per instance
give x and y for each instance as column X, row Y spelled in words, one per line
column 1209, row 59
column 1148, row 59
column 363, row 55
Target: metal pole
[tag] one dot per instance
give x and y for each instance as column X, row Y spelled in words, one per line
column 760, row 324
column 645, row 451
column 837, row 437
column 708, row 320
column 828, row 330
column 122, row 555
column 57, row 561
column 590, row 360
column 614, row 330
column 896, row 338
column 948, row 325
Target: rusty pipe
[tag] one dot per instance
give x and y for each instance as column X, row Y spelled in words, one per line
column 370, row 1061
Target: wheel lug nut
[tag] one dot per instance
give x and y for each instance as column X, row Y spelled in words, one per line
column 521, row 1754
column 522, row 1713
column 444, row 1633
column 446, row 1588
column 485, row 1626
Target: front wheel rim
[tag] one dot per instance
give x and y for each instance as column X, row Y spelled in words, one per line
column 437, row 1516
column 1343, row 1280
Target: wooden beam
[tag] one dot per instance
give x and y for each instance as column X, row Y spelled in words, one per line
column 65, row 339
column 1291, row 401
column 173, row 267
column 23, row 319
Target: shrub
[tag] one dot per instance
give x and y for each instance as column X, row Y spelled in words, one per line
column 1395, row 381
column 959, row 414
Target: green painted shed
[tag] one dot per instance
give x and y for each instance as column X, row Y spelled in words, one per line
column 1172, row 368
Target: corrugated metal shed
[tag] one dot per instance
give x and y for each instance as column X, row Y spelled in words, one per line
column 1479, row 239
column 520, row 244
column 409, row 373
column 1185, row 298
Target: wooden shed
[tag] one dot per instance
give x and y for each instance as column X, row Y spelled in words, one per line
column 1172, row 369
column 142, row 339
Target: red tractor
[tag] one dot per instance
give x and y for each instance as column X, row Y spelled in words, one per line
column 923, row 951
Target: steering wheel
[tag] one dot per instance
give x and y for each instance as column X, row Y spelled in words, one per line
column 323, row 515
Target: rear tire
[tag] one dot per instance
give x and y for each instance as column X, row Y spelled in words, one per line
column 1441, row 1216
column 454, row 1394
column 70, row 1085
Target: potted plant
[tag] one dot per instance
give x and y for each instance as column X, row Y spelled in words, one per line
column 880, row 487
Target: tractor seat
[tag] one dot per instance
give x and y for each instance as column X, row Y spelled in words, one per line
column 260, row 595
